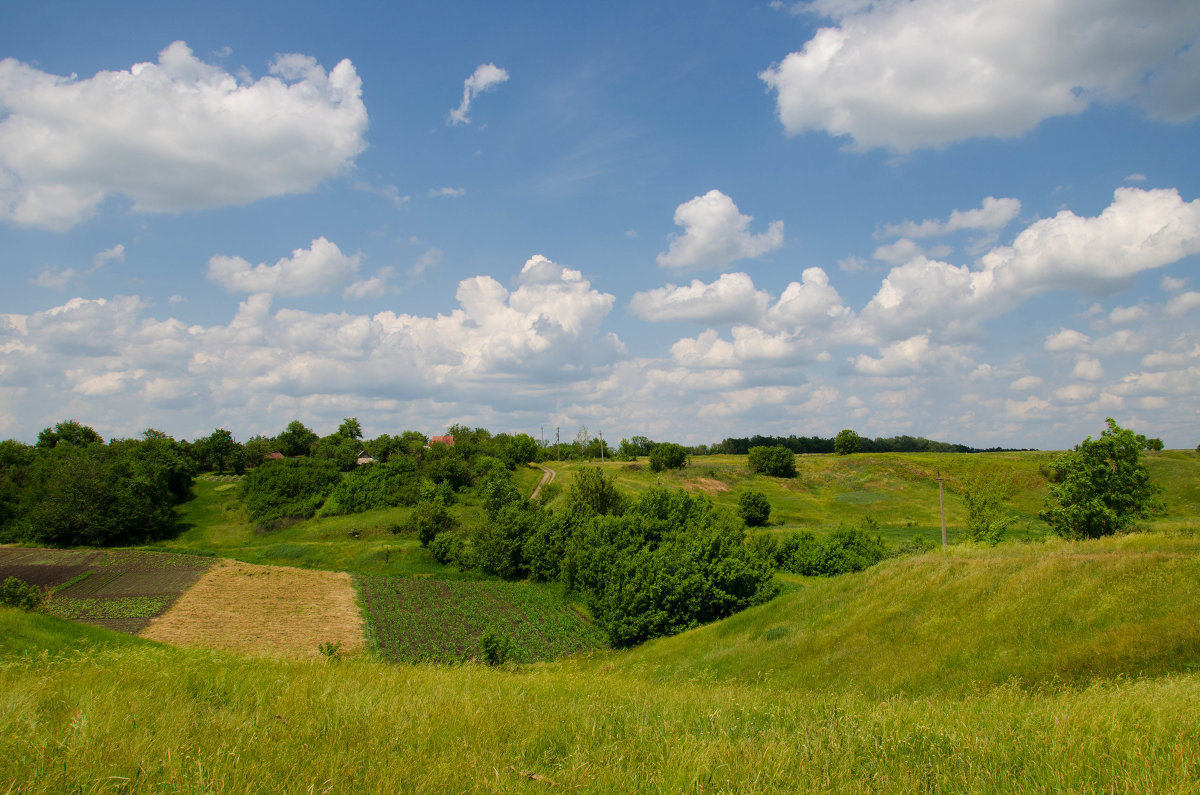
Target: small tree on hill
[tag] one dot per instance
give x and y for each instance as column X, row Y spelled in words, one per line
column 847, row 442
column 777, row 461
column 1102, row 487
column 667, row 456
column 988, row 519
column 755, row 508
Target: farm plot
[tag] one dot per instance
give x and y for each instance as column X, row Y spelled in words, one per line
column 265, row 611
column 421, row 619
column 121, row 590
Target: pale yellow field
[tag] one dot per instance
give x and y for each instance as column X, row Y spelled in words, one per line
column 264, row 611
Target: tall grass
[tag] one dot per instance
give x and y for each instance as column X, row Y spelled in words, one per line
column 167, row 720
column 1035, row 614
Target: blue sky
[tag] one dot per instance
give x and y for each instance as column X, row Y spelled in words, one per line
column 972, row 221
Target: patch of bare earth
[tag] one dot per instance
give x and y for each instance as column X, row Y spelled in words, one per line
column 266, row 611
column 707, row 485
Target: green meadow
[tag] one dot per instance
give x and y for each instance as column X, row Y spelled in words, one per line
column 1038, row 665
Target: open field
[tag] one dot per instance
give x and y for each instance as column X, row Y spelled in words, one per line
column 413, row 619
column 264, row 610
column 122, row 589
column 1042, row 667
column 898, row 491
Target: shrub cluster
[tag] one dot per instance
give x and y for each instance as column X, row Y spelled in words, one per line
column 845, row 550
column 17, row 593
column 777, row 461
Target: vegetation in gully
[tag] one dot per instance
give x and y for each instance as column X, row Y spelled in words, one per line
column 779, row 620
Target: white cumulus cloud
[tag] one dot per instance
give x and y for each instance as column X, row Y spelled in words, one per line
column 716, row 234
column 993, row 215
column 730, row 298
column 320, row 268
column 179, row 134
column 485, row 77
column 926, row 73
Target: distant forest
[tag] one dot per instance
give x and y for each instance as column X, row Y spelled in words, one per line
column 818, row 444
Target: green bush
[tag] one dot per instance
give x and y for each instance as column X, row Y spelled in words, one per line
column 291, row 487
column 17, row 593
column 845, row 550
column 1103, row 486
column 447, row 548
column 847, row 442
column 667, row 456
column 777, row 461
column 495, row 646
column 429, row 520
column 984, row 497
column 755, row 508
column 381, row 485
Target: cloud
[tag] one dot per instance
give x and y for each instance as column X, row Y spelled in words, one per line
column 1135, row 178
column 1088, row 369
column 374, row 287
column 927, row 73
column 1140, row 230
column 1128, row 314
column 1172, row 285
column 175, row 135
column 913, row 355
column 730, row 298
column 55, row 278
column 112, row 254
column 1025, row 383
column 716, row 234
column 447, row 193
column 1183, row 303
column 810, row 303
column 1066, row 339
column 993, row 215
column 485, row 77
column 430, row 259
column 320, row 268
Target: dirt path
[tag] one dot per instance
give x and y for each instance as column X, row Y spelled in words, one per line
column 264, row 610
column 548, row 476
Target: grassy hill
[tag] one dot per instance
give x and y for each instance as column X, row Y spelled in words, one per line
column 1039, row 667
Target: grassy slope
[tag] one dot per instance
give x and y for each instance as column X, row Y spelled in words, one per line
column 879, row 681
column 214, row 523
column 1034, row 614
column 897, row 490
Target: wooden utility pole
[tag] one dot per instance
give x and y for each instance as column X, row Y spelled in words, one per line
column 601, row 451
column 942, row 507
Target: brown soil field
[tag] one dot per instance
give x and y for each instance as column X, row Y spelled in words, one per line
column 707, row 485
column 264, row 611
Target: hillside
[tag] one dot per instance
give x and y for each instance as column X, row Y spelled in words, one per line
column 1048, row 667
column 1038, row 614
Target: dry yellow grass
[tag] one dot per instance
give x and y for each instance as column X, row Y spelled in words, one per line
column 265, row 611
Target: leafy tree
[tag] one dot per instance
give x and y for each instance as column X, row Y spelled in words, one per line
column 984, row 497
column 350, row 428
column 96, row 495
column 430, row 519
column 754, row 508
column 296, row 440
column 1154, row 445
column 68, row 432
column 341, row 450
column 255, row 450
column 777, row 461
column 845, row 550
column 591, row 488
column 847, row 442
column 1103, row 486
column 667, row 456
column 220, row 446
column 521, row 449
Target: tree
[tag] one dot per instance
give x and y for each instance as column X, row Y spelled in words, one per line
column 777, row 461
column 220, row 446
column 1102, row 486
column 987, row 517
column 350, row 428
column 68, row 432
column 1154, row 445
column 296, row 440
column 847, row 442
column 667, row 456
column 754, row 508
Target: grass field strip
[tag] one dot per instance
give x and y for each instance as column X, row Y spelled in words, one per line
column 421, row 619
